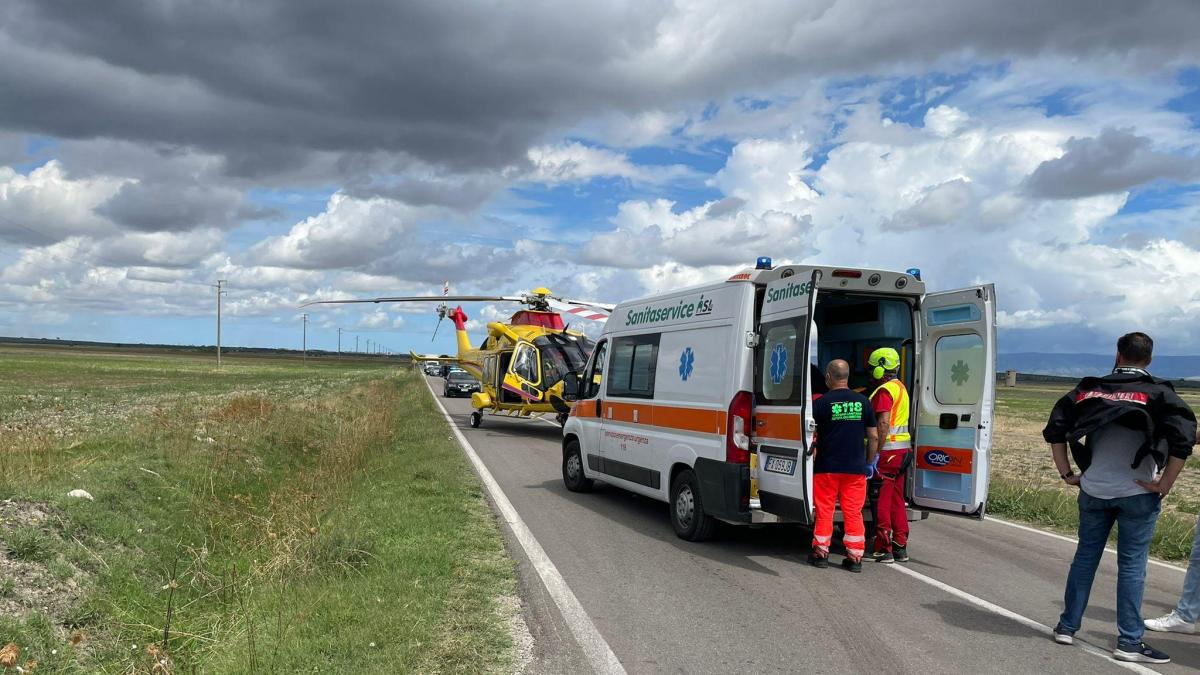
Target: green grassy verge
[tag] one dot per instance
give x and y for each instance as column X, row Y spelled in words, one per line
column 1057, row 510
column 268, row 518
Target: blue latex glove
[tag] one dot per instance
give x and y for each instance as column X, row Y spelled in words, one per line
column 873, row 468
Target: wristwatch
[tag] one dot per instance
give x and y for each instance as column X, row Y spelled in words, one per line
column 1068, row 474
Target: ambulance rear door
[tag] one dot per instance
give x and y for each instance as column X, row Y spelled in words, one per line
column 783, row 425
column 956, row 406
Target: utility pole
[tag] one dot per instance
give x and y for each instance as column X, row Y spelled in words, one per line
column 220, row 292
column 339, row 340
column 356, row 344
column 368, row 345
column 304, row 344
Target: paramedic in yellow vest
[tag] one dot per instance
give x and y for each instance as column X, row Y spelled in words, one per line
column 890, row 401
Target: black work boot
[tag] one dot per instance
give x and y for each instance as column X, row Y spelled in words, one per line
column 820, row 561
column 900, row 553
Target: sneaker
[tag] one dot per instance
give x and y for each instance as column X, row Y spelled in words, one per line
column 818, row 560
column 1171, row 623
column 1142, row 653
column 884, row 557
column 852, row 565
column 1062, row 637
column 900, row 553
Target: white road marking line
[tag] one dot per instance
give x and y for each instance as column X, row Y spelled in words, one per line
column 1073, row 540
column 595, row 648
column 1019, row 618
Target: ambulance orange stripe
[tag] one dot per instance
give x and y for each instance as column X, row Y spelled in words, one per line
column 780, row 426
column 690, row 419
column 669, row 417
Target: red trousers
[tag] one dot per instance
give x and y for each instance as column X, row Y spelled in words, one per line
column 851, row 490
column 891, row 525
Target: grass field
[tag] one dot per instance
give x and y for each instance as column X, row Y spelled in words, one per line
column 269, row 517
column 1026, row 486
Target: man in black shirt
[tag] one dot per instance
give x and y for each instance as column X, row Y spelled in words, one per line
column 847, row 442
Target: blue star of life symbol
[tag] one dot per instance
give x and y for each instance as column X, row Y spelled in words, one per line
column 778, row 363
column 686, row 360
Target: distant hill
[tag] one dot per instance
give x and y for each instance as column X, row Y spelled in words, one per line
column 1078, row 365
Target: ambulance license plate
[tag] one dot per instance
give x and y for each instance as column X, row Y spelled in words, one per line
column 780, row 465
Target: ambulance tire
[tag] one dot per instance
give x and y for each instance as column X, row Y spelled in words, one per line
column 687, row 509
column 572, row 469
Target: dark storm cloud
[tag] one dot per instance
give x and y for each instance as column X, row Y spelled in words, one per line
column 169, row 207
column 267, row 85
column 1114, row 161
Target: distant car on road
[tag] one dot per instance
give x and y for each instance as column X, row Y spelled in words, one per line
column 433, row 368
column 460, row 383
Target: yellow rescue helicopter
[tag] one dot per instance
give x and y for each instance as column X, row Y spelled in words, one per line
column 521, row 364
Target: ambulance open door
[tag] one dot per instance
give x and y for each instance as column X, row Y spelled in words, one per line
column 956, row 405
column 524, row 376
column 784, row 426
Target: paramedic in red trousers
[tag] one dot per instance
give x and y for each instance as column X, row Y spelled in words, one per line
column 1121, row 429
column 846, row 444
column 890, row 402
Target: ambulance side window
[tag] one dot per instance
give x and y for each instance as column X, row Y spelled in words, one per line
column 780, row 372
column 959, row 369
column 595, row 376
column 631, row 371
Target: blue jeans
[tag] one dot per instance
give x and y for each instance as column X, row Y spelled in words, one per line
column 1188, row 608
column 1135, row 518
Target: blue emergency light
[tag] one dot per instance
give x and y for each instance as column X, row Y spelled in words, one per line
column 915, row 272
column 763, row 263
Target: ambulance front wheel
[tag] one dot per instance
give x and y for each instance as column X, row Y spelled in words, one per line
column 687, row 509
column 476, row 419
column 572, row 469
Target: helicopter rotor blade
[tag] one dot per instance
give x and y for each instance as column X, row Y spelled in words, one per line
column 581, row 310
column 421, row 298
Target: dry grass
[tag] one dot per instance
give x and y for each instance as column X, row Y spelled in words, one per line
column 265, row 518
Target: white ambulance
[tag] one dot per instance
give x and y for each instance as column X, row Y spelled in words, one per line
column 702, row 397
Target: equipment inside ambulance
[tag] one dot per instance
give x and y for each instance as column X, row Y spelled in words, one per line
column 702, row 397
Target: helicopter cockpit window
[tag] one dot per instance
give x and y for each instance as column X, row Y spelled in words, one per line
column 525, row 364
column 562, row 354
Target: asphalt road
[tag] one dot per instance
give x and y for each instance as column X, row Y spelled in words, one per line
column 747, row 602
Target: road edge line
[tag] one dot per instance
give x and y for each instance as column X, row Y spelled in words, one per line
column 1019, row 618
column 599, row 654
column 1063, row 537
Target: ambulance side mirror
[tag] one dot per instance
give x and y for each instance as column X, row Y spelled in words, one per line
column 571, row 385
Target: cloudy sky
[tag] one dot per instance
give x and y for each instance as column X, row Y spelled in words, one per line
column 306, row 149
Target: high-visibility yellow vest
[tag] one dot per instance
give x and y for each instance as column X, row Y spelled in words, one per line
column 898, row 437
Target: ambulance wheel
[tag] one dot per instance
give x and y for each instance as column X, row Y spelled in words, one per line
column 476, row 419
column 572, row 469
column 687, row 509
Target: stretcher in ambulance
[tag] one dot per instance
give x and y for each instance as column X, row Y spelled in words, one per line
column 702, row 397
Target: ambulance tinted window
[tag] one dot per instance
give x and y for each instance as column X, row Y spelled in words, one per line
column 596, row 377
column 960, row 365
column 778, row 364
column 631, row 368
column 781, row 367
